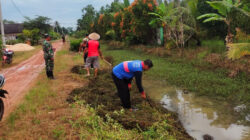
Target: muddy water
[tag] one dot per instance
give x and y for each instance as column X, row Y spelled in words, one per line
column 199, row 115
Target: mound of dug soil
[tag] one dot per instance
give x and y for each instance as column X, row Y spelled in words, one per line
column 101, row 95
column 20, row 47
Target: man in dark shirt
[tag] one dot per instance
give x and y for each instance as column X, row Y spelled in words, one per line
column 123, row 75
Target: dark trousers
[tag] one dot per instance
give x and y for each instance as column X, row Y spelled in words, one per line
column 123, row 91
column 85, row 57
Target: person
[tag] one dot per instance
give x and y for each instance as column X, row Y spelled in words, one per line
column 63, row 38
column 2, row 95
column 123, row 75
column 93, row 49
column 82, row 47
column 2, row 82
column 48, row 56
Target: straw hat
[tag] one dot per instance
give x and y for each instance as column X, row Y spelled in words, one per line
column 94, row 36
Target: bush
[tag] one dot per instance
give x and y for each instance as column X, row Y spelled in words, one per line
column 33, row 35
column 54, row 35
column 238, row 50
column 241, row 36
column 110, row 34
column 74, row 44
column 13, row 42
column 21, row 38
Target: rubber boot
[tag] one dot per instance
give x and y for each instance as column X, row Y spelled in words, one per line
column 47, row 73
column 52, row 75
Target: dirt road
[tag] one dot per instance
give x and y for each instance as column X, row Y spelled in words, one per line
column 19, row 78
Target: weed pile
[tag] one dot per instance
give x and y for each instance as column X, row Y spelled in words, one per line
column 100, row 93
column 78, row 69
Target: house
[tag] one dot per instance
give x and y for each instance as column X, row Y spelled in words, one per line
column 12, row 30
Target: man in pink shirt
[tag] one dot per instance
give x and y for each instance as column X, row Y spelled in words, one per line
column 93, row 49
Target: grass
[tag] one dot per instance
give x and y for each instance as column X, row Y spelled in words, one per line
column 214, row 46
column 181, row 72
column 21, row 56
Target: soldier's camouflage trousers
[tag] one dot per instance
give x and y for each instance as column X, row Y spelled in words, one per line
column 49, row 64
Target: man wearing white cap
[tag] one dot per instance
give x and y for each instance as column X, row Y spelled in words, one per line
column 93, row 49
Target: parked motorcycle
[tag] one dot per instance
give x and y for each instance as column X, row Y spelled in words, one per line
column 7, row 56
column 2, row 95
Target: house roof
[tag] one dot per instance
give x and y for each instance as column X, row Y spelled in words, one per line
column 13, row 28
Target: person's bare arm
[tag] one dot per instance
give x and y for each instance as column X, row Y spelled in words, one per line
column 85, row 50
column 100, row 52
column 80, row 48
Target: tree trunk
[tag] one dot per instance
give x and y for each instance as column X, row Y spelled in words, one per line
column 229, row 37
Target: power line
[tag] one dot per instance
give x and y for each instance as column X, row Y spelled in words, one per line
column 12, row 1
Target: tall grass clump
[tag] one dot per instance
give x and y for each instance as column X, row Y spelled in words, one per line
column 238, row 50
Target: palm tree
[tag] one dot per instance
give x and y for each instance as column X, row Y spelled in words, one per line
column 224, row 8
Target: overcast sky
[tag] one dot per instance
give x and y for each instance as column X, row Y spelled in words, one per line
column 64, row 11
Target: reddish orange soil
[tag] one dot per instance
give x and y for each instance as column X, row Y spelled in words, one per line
column 19, row 78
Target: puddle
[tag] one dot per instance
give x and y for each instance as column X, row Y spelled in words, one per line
column 200, row 115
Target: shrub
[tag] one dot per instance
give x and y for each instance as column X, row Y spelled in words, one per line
column 21, row 38
column 33, row 35
column 110, row 34
column 54, row 35
column 74, row 44
column 238, row 50
column 241, row 36
column 13, row 42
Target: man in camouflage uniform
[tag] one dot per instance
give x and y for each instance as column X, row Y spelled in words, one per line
column 48, row 56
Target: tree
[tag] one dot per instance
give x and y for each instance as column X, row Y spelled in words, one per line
column 57, row 27
column 245, row 5
column 224, row 9
column 126, row 3
column 5, row 21
column 70, row 30
column 159, row 2
column 87, row 19
column 40, row 22
column 116, row 6
column 33, row 35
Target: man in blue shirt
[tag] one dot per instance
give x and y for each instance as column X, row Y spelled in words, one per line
column 123, row 75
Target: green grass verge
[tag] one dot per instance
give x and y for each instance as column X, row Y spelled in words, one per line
column 181, row 73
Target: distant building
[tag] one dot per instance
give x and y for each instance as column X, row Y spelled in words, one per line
column 12, row 30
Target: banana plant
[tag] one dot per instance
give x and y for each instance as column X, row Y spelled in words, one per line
column 224, row 8
column 177, row 21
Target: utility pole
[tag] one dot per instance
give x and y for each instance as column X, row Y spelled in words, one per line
column 2, row 25
column 56, row 27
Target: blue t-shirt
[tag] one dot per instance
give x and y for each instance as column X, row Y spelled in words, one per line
column 127, row 69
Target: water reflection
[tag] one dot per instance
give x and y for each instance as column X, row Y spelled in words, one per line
column 199, row 115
